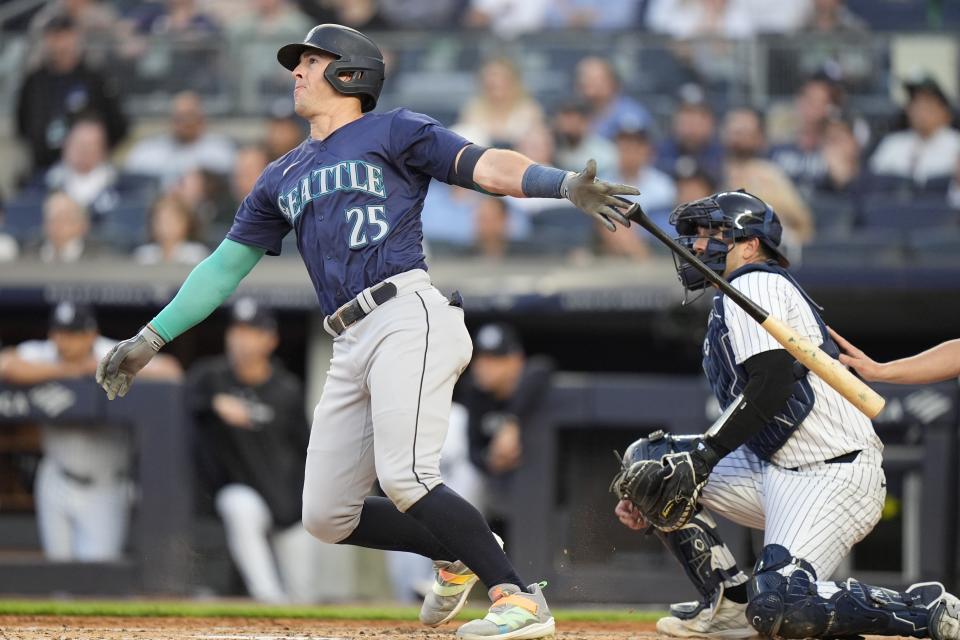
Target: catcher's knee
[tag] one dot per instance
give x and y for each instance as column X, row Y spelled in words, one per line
column 783, row 600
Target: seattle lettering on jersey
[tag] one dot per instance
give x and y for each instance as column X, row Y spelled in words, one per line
column 348, row 175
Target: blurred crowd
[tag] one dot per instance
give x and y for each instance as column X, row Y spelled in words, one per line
column 100, row 184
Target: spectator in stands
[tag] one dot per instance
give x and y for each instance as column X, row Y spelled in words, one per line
column 693, row 135
column 736, row 19
column 85, row 172
column 635, row 166
column 253, row 37
column 9, row 249
column 283, row 134
column 173, row 229
column 207, row 194
column 576, row 142
column 693, row 183
column 507, row 18
column 179, row 19
column 188, row 145
column 66, row 228
column 689, row 19
column 802, row 158
column 420, row 14
column 62, row 89
column 502, row 109
column 842, row 157
column 593, row 14
column 929, row 148
column 491, row 235
column 833, row 17
column 96, row 20
column 249, row 163
column 635, row 154
column 503, row 391
column 362, row 15
column 599, row 85
column 251, row 445
column 82, row 491
column 746, row 168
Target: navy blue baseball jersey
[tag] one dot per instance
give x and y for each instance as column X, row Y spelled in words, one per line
column 354, row 200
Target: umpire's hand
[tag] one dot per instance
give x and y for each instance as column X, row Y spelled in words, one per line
column 596, row 197
column 116, row 371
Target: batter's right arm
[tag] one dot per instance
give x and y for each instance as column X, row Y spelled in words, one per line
column 209, row 284
column 940, row 363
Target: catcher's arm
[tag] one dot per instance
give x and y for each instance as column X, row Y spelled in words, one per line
column 666, row 492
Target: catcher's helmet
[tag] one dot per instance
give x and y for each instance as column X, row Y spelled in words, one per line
column 740, row 215
column 355, row 54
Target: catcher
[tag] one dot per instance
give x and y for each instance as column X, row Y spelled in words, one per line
column 788, row 455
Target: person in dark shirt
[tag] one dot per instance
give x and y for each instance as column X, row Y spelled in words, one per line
column 251, row 437
column 61, row 90
column 504, row 389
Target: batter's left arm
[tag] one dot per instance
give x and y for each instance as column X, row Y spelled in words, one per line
column 506, row 172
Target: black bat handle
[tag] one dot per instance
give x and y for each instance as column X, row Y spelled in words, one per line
column 636, row 214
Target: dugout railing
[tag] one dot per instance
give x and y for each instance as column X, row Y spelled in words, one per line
column 159, row 557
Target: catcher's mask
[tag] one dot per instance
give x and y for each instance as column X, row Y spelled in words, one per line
column 355, row 54
column 739, row 215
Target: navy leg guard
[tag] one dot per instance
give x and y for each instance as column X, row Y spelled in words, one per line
column 705, row 559
column 786, row 601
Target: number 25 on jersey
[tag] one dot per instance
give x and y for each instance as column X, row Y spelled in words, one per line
column 368, row 225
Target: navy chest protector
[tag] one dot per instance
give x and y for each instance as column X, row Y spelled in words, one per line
column 727, row 378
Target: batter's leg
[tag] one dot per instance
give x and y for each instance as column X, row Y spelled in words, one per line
column 340, row 469
column 411, row 382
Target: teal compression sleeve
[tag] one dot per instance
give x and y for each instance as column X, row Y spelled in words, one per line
column 208, row 285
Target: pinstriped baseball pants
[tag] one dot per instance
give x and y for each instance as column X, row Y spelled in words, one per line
column 818, row 512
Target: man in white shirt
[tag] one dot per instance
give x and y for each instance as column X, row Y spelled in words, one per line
column 189, row 145
column 930, row 148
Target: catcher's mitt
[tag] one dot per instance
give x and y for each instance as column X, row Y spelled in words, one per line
column 666, row 491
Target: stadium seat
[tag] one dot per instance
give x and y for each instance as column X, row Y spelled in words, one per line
column 126, row 226
column 863, row 248
column 906, row 216
column 891, row 15
column 935, row 246
column 834, row 215
column 24, row 215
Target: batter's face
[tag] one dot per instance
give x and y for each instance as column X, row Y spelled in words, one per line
column 311, row 91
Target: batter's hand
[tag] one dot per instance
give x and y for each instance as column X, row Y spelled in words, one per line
column 868, row 369
column 596, row 197
column 630, row 516
column 116, row 371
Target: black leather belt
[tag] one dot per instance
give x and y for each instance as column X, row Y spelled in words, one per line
column 353, row 311
column 846, row 457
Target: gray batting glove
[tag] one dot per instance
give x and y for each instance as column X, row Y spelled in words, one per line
column 596, row 197
column 116, row 371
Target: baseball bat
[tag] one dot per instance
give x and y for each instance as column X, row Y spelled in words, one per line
column 810, row 355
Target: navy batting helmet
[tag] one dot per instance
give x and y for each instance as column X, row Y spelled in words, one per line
column 355, row 54
column 740, row 215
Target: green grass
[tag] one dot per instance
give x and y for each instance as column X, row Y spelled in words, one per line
column 139, row 608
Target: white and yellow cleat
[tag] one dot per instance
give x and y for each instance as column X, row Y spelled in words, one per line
column 514, row 615
column 451, row 586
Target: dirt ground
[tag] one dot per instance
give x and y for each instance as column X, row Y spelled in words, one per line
column 93, row 628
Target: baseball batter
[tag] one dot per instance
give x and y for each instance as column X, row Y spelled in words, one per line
column 789, row 456
column 353, row 192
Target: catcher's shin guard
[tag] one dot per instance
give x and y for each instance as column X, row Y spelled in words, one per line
column 705, row 558
column 786, row 601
